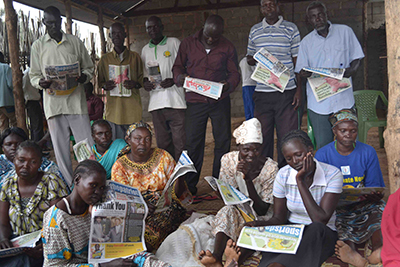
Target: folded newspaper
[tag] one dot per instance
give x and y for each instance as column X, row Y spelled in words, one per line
column 335, row 73
column 270, row 70
column 119, row 74
column 183, row 166
column 154, row 74
column 64, row 78
column 232, row 196
column 82, row 151
column 278, row 239
column 353, row 195
column 203, row 87
column 117, row 224
column 324, row 87
column 20, row 244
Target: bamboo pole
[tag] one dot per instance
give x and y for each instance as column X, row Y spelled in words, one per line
column 68, row 15
column 392, row 136
column 100, row 23
column 11, row 22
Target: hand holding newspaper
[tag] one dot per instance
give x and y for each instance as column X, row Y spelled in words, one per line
column 278, row 239
column 64, row 78
column 21, row 243
column 154, row 74
column 354, row 195
column 203, row 87
column 117, row 224
column 83, row 151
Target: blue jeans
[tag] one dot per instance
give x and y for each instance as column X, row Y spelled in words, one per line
column 247, row 93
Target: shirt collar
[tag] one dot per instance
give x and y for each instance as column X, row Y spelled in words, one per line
column 319, row 176
column 117, row 55
column 276, row 25
column 163, row 42
column 331, row 29
column 63, row 38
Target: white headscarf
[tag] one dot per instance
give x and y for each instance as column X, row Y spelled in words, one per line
column 249, row 132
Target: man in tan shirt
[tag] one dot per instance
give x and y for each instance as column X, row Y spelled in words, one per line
column 120, row 73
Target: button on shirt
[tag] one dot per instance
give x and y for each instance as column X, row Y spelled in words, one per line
column 337, row 50
column 282, row 40
column 46, row 51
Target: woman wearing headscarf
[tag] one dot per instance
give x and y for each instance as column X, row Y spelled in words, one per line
column 356, row 223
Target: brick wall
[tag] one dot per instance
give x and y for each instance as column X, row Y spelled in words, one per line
column 238, row 22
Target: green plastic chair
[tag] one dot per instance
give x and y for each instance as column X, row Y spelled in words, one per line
column 366, row 112
column 310, row 131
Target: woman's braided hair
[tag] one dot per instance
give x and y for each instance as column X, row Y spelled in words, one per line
column 299, row 135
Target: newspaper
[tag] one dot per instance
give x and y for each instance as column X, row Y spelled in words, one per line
column 265, row 76
column 203, row 87
column 83, row 151
column 335, row 73
column 64, row 78
column 122, row 224
column 270, row 62
column 183, row 166
column 279, row 238
column 153, row 69
column 20, row 244
column 324, row 87
column 119, row 74
column 353, row 195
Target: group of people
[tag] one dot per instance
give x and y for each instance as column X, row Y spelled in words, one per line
column 298, row 189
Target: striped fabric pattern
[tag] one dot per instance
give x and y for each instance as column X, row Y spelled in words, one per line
column 327, row 179
column 282, row 40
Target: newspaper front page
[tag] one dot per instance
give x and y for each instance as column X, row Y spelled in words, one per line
column 154, row 74
column 119, row 74
column 324, row 87
column 353, row 195
column 118, row 224
column 64, row 78
column 335, row 73
column 82, row 151
column 20, row 243
column 204, row 87
column 278, row 238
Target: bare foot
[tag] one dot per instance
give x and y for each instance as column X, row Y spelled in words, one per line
column 208, row 259
column 375, row 256
column 232, row 253
column 347, row 255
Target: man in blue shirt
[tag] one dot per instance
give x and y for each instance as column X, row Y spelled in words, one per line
column 7, row 110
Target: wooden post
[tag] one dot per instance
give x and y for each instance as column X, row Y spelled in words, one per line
column 365, row 38
column 128, row 41
column 392, row 136
column 11, row 22
column 100, row 23
column 68, row 15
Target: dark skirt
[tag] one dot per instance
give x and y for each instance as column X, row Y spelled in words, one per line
column 317, row 245
column 357, row 222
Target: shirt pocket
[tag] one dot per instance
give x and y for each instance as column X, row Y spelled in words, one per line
column 340, row 57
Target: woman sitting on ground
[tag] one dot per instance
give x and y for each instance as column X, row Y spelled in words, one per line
column 148, row 169
column 66, row 225
column 10, row 140
column 306, row 191
column 359, row 222
column 251, row 173
column 24, row 198
column 105, row 149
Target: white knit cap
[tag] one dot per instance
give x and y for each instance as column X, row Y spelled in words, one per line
column 249, row 132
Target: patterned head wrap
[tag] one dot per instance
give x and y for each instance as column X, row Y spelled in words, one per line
column 248, row 132
column 343, row 115
column 131, row 129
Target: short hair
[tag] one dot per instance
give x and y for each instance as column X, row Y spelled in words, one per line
column 87, row 166
column 30, row 144
column 52, row 10
column 299, row 135
column 13, row 130
column 158, row 19
column 215, row 19
column 316, row 4
column 276, row 1
column 119, row 24
column 101, row 122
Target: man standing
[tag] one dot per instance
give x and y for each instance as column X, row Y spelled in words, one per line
column 124, row 105
column 207, row 55
column 63, row 112
column 281, row 38
column 7, row 109
column 167, row 101
column 327, row 46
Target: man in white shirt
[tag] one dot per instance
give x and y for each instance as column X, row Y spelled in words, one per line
column 167, row 103
column 65, row 110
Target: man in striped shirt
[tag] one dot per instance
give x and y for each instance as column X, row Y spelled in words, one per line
column 281, row 38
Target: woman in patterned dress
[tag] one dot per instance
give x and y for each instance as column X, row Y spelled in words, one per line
column 149, row 169
column 24, row 198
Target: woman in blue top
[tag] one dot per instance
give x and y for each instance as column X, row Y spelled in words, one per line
column 356, row 223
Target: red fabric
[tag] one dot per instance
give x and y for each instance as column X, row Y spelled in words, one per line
column 219, row 65
column 390, row 227
column 95, row 107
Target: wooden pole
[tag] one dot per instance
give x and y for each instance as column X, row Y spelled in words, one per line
column 100, row 23
column 392, row 136
column 68, row 15
column 128, row 41
column 11, row 23
column 365, row 38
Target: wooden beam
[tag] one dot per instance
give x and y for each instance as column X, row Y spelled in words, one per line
column 100, row 23
column 128, row 41
column 365, row 38
column 176, row 3
column 68, row 15
column 11, row 23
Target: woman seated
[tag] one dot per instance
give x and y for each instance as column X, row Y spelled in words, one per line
column 66, row 225
column 10, row 140
column 149, row 169
column 251, row 173
column 306, row 191
column 24, row 198
column 105, row 149
column 356, row 223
